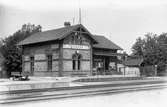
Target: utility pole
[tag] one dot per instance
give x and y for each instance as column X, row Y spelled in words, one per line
column 80, row 16
column 155, row 70
column 73, row 20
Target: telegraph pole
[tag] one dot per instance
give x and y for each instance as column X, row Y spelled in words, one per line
column 80, row 16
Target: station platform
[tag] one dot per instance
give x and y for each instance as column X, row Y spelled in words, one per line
column 57, row 82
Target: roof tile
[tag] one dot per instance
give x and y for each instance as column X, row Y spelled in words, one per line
column 103, row 42
column 48, row 35
column 57, row 34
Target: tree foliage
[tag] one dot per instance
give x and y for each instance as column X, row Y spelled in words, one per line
column 12, row 52
column 153, row 49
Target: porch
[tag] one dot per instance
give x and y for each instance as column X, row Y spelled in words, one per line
column 105, row 64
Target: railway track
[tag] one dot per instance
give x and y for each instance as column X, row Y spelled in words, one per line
column 65, row 92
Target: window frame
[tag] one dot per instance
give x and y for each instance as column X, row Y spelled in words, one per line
column 49, row 62
column 76, row 62
column 32, row 65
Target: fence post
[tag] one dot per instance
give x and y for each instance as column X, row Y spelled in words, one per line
column 155, row 70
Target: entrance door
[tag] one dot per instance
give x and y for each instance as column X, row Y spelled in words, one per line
column 107, row 61
column 99, row 66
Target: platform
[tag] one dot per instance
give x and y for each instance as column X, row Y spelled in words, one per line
column 50, row 82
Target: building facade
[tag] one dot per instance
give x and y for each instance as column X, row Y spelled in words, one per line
column 68, row 51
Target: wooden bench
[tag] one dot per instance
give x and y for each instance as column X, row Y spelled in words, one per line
column 18, row 76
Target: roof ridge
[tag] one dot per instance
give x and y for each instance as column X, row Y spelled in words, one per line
column 60, row 28
column 53, row 34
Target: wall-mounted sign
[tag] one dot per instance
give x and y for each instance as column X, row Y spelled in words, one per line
column 76, row 46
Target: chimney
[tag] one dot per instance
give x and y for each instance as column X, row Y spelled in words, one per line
column 66, row 24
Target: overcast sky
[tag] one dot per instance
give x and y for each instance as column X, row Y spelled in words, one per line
column 122, row 21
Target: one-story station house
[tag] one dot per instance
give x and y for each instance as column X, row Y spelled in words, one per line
column 68, row 51
column 133, row 66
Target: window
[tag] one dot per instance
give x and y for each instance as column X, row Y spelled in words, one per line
column 76, row 61
column 73, row 40
column 32, row 63
column 73, row 63
column 79, row 62
column 49, row 57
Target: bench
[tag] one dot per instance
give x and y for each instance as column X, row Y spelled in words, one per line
column 18, row 76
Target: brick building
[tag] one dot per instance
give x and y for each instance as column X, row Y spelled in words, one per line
column 68, row 51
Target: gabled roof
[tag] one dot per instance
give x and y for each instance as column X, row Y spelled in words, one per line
column 59, row 34
column 50, row 35
column 104, row 53
column 133, row 62
column 105, row 43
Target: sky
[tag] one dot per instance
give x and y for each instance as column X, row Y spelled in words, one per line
column 121, row 21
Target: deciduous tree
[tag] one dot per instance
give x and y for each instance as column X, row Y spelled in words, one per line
column 153, row 49
column 10, row 50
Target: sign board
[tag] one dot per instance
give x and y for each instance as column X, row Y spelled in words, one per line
column 76, row 46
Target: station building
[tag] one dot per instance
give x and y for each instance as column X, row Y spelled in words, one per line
column 68, row 51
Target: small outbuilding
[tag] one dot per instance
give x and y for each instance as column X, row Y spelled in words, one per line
column 133, row 66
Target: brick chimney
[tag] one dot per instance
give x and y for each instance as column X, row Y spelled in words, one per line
column 66, row 24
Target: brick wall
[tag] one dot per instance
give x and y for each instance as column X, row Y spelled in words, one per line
column 76, row 73
column 46, row 74
column 67, row 65
column 27, row 66
column 40, row 66
column 55, row 65
column 40, row 52
column 40, row 56
column 85, row 65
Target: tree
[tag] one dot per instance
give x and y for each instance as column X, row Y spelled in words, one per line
column 10, row 50
column 152, row 49
column 138, row 47
column 162, row 40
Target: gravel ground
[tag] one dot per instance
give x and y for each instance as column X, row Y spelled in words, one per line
column 149, row 98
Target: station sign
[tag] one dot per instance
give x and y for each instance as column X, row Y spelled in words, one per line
column 76, row 46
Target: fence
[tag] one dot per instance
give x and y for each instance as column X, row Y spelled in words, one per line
column 148, row 70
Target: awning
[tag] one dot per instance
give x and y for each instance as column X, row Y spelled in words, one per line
column 107, row 54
